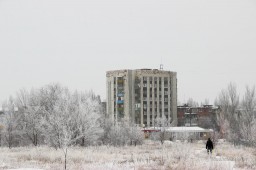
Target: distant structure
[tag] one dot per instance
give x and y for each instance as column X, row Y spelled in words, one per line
column 6, row 109
column 161, row 67
column 204, row 116
column 142, row 95
column 1, row 111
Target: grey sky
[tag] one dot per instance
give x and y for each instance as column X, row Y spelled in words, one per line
column 209, row 43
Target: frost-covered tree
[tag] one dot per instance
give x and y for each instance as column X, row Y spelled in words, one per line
column 136, row 135
column 11, row 123
column 88, row 116
column 31, row 115
column 55, row 116
column 72, row 119
column 253, row 134
column 162, row 123
column 50, row 95
column 81, row 110
column 248, row 115
column 119, row 134
column 59, row 129
column 106, row 125
column 237, row 119
column 31, row 124
column 229, row 118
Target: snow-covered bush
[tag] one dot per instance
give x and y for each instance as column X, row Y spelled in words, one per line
column 135, row 134
column 123, row 133
column 119, row 135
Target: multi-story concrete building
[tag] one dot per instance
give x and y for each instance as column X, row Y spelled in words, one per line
column 142, row 96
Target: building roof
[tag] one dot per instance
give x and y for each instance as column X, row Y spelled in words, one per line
column 188, row 129
column 143, row 70
column 182, row 129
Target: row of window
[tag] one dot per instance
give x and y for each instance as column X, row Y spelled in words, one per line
column 150, row 112
column 155, row 85
column 145, row 78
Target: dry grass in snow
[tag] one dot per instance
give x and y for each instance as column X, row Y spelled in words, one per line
column 149, row 156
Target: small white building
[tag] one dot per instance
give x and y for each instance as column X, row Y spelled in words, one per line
column 183, row 133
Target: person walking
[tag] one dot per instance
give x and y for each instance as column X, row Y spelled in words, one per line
column 209, row 146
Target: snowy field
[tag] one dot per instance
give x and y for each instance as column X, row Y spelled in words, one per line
column 149, row 156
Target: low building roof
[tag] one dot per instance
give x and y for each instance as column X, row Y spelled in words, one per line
column 188, row 129
column 181, row 129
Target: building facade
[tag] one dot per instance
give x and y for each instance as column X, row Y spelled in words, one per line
column 204, row 116
column 142, row 96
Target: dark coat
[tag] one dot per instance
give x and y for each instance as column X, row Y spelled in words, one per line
column 209, row 144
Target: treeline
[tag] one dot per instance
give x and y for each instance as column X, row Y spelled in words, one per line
column 53, row 115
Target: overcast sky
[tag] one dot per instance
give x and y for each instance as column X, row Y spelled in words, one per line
column 209, row 43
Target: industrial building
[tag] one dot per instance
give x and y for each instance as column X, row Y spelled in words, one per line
column 142, row 96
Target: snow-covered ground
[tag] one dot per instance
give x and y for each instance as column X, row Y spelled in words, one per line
column 149, row 156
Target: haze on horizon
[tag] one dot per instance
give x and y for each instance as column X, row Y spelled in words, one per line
column 74, row 42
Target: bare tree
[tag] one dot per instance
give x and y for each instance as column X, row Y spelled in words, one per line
column 247, row 112
column 253, row 134
column 237, row 119
column 229, row 118
column 191, row 102
column 206, row 102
